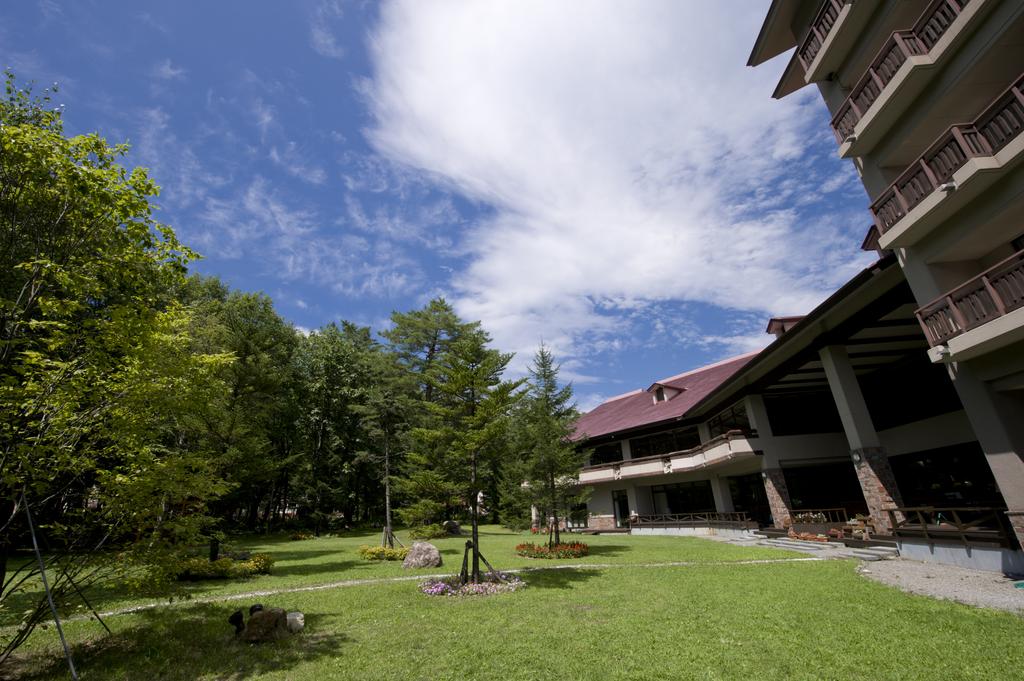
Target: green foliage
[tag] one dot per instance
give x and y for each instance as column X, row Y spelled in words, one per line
column 545, row 471
column 194, row 569
column 457, row 452
column 382, row 553
column 432, row 531
column 301, row 536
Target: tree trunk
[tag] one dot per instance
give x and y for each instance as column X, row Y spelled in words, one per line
column 474, row 498
column 554, row 508
column 388, row 536
column 214, row 549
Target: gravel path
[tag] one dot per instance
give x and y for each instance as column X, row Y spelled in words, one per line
column 971, row 587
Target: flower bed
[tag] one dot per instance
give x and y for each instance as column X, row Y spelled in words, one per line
column 383, row 553
column 451, row 586
column 576, row 549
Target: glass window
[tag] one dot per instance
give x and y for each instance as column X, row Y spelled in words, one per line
column 606, row 453
column 733, row 418
column 662, row 443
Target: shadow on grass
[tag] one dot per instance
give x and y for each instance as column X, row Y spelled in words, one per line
column 605, row 550
column 552, row 578
column 333, row 567
column 179, row 645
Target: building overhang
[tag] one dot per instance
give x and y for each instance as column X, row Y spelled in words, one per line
column 775, row 36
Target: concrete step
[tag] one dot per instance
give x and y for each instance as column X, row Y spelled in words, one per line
column 799, row 545
column 881, row 551
column 865, row 555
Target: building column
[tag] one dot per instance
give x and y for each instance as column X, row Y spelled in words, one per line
column 723, row 497
column 778, row 497
column 998, row 422
column 774, row 481
column 869, row 458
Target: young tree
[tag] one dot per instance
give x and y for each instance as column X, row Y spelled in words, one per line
column 549, row 461
column 471, row 405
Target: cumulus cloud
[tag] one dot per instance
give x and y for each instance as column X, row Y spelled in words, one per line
column 630, row 156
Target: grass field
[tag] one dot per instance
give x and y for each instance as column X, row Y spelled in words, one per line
column 714, row 618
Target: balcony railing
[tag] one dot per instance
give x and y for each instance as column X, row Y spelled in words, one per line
column 707, row 519
column 902, row 45
column 970, row 526
column 818, row 516
column 823, row 22
column 991, row 294
column 992, row 130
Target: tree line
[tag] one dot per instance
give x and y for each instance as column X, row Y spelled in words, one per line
column 145, row 408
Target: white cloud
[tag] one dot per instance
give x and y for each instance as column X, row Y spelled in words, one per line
column 629, row 154
column 259, row 223
column 296, row 163
column 321, row 37
column 165, row 70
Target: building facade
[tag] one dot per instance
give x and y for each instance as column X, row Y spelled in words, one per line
column 927, row 101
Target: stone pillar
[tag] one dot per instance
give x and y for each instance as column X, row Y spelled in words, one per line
column 869, row 458
column 723, row 497
column 778, row 497
column 998, row 421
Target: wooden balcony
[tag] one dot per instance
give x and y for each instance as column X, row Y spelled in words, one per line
column 737, row 519
column 965, row 525
column 822, row 24
column 992, row 294
column 919, row 40
column 996, row 127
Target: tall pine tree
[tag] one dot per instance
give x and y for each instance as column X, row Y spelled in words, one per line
column 549, row 462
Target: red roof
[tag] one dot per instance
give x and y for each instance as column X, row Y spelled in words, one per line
column 637, row 408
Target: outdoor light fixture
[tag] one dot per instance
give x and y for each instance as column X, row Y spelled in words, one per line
column 850, row 139
column 856, row 456
column 947, row 187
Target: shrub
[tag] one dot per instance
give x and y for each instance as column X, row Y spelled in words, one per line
column 383, row 553
column 301, row 536
column 196, row 568
column 572, row 550
column 434, row 531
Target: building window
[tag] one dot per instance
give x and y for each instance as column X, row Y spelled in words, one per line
column 683, row 497
column 1018, row 244
column 607, row 453
column 665, row 442
column 659, row 395
column 733, row 418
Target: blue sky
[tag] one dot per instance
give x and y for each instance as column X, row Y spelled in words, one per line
column 615, row 182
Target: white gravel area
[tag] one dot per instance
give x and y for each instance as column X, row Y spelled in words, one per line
column 972, row 587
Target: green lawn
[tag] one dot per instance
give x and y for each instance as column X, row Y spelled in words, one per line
column 713, row 620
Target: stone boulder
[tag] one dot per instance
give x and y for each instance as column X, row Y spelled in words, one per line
column 422, row 554
column 452, row 528
column 266, row 625
column 296, row 622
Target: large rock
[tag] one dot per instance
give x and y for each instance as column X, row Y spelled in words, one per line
column 452, row 528
column 296, row 622
column 266, row 625
column 422, row 554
